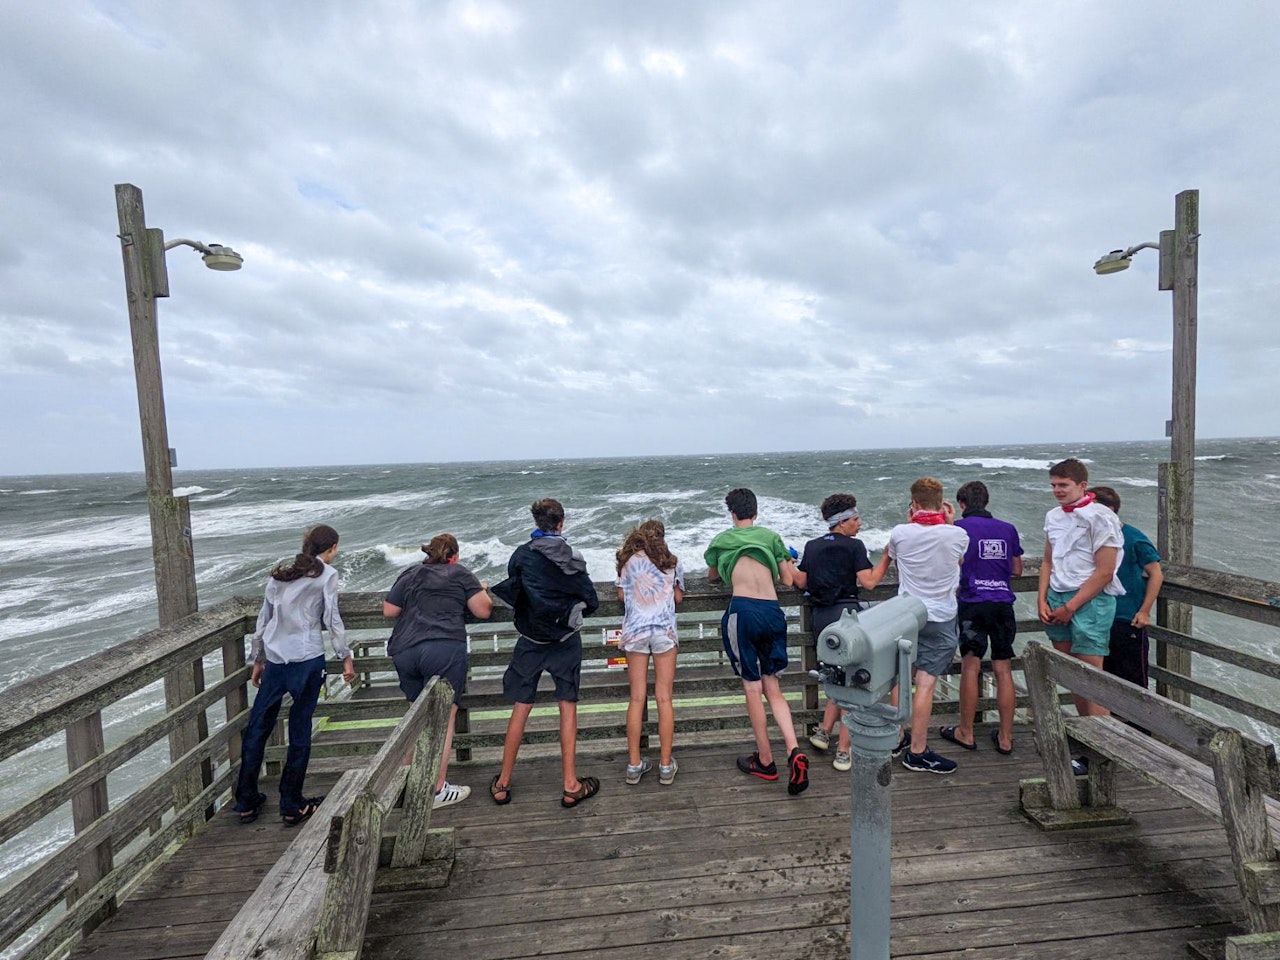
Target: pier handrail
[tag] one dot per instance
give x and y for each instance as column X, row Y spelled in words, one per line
column 315, row 899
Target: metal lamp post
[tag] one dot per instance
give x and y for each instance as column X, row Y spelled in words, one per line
column 1179, row 261
column 146, row 278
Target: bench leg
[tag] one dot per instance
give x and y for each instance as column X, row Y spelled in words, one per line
column 1244, row 815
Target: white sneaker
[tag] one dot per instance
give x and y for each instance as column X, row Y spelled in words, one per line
column 843, row 761
column 821, row 739
column 450, row 793
column 639, row 770
column 667, row 772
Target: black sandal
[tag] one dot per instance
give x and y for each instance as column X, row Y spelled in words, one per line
column 309, row 806
column 588, row 787
column 494, row 790
column 248, row 816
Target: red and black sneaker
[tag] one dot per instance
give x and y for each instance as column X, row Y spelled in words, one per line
column 752, row 765
column 798, row 764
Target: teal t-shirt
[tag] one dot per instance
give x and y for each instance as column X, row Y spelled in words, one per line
column 758, row 543
column 1138, row 552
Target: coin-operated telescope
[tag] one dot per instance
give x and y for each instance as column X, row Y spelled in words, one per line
column 862, row 656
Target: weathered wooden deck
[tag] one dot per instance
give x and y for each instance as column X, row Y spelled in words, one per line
column 721, row 865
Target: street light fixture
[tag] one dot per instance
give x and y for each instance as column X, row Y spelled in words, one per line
column 216, row 256
column 1179, row 265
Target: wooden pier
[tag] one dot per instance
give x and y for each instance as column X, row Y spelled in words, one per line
column 722, row 865
column 717, row 864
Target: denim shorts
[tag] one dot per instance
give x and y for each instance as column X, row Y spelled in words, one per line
column 1089, row 630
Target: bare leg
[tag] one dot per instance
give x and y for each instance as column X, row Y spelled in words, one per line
column 781, row 711
column 511, row 745
column 441, row 779
column 759, row 722
column 664, row 680
column 921, row 710
column 569, row 742
column 638, row 675
column 831, row 716
column 970, row 671
column 1006, row 700
column 842, row 745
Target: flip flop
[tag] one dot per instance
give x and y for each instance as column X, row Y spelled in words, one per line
column 995, row 738
column 309, row 807
column 588, row 787
column 949, row 733
column 248, row 816
column 494, row 790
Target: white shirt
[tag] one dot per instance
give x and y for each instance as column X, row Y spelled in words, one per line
column 293, row 614
column 928, row 558
column 1074, row 538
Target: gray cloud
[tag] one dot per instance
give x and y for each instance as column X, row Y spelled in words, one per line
column 477, row 229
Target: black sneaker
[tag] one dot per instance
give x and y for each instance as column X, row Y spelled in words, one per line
column 798, row 764
column 752, row 765
column 928, row 762
column 903, row 742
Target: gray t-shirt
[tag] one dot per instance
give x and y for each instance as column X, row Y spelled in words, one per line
column 433, row 604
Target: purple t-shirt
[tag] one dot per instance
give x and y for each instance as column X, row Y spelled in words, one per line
column 988, row 563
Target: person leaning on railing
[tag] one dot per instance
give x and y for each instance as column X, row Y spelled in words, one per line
column 288, row 657
column 429, row 602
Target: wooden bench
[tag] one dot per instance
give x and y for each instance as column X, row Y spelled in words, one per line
column 1230, row 775
column 314, row 903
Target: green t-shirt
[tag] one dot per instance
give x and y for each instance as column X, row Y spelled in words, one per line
column 758, row 543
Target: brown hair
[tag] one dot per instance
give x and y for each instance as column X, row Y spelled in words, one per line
column 318, row 539
column 441, row 548
column 1108, row 497
column 648, row 538
column 838, row 503
column 1070, row 469
column 548, row 514
column 927, row 493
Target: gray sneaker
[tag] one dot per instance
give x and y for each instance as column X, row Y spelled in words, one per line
column 821, row 739
column 843, row 761
column 635, row 773
column 667, row 772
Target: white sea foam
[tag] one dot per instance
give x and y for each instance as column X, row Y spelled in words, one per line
column 238, row 518
column 1137, row 482
column 398, row 556
column 63, row 537
column 38, row 493
column 61, row 613
column 1215, row 456
column 188, row 491
column 660, row 497
column 1002, row 463
column 222, row 495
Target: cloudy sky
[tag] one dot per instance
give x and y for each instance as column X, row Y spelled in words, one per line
column 480, row 230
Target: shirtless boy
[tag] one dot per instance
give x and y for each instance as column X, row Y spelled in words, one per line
column 754, row 631
column 1078, row 582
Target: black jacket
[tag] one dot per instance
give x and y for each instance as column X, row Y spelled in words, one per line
column 548, row 587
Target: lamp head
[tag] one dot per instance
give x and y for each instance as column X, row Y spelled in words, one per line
column 1112, row 262
column 222, row 258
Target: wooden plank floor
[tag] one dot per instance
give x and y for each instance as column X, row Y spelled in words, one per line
column 722, row 865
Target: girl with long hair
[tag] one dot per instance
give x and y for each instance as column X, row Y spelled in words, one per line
column 288, row 657
column 650, row 584
column 429, row 603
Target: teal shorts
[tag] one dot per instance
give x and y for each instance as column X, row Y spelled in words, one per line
column 1089, row 630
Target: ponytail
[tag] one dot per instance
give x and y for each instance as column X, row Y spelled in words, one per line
column 442, row 547
column 318, row 540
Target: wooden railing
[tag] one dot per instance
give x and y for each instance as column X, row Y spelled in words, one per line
column 118, row 839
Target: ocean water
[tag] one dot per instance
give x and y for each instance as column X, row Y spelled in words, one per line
column 75, row 559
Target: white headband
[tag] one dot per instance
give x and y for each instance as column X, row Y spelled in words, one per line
column 839, row 518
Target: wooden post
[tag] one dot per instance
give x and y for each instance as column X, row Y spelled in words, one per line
column 85, row 743
column 1179, row 255
column 345, row 910
column 809, row 661
column 1051, row 732
column 145, row 279
column 420, row 790
column 1244, row 815
column 237, row 700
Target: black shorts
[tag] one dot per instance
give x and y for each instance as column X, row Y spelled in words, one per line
column 823, row 617
column 1130, row 650
column 987, row 621
column 562, row 660
column 432, row 658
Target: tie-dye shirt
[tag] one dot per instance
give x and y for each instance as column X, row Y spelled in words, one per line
column 650, row 598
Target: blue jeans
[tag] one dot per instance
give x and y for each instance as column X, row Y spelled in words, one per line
column 302, row 681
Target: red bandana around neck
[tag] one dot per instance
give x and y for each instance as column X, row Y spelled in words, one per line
column 1084, row 501
column 928, row 518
